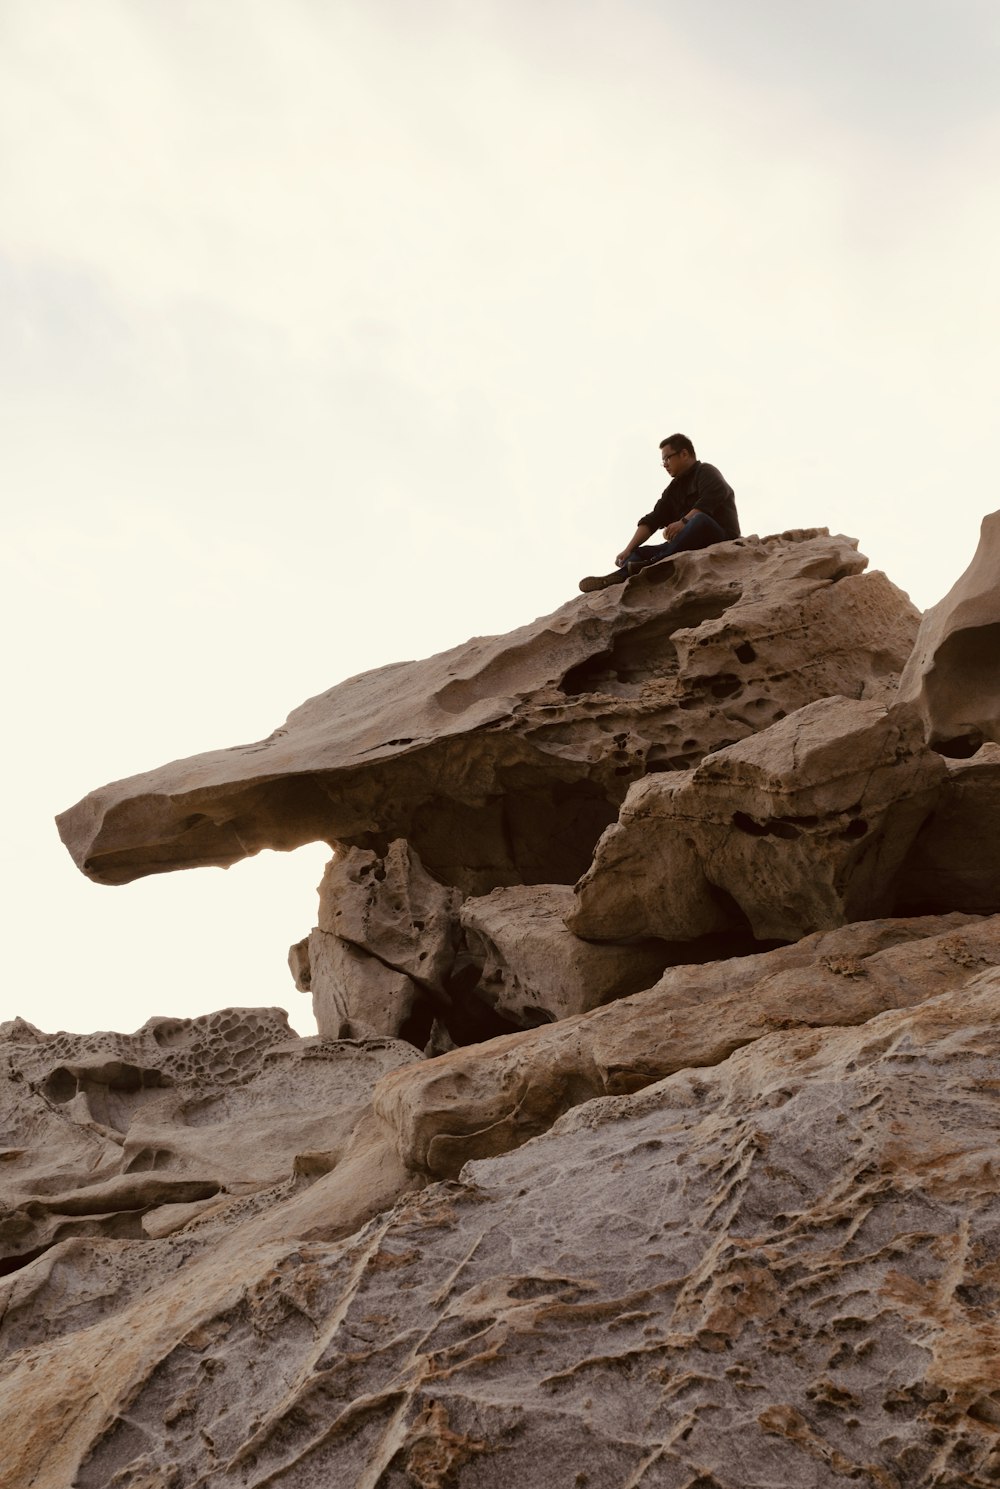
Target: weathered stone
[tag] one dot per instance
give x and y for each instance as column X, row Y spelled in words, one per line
column 354, row 995
column 797, row 829
column 955, row 860
column 952, row 679
column 393, row 909
column 490, row 1098
column 102, row 1131
column 534, row 969
column 502, row 761
column 736, row 1228
column 780, row 1270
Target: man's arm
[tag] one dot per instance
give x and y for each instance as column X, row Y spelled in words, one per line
column 639, row 536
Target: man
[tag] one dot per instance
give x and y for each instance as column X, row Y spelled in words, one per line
column 697, row 509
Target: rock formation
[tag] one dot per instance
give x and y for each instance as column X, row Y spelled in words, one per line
column 647, row 1142
column 952, row 677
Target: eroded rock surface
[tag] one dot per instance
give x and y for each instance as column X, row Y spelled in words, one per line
column 800, row 828
column 128, row 1136
column 503, row 760
column 535, row 970
column 952, row 677
column 490, row 1098
column 712, row 1220
column 780, row 1270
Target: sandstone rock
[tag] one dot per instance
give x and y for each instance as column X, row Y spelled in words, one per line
column 535, row 970
column 800, row 828
column 955, row 860
column 103, row 1131
column 490, row 1098
column 354, row 995
column 503, row 760
column 780, row 1270
column 386, row 944
column 952, row 678
column 394, row 909
column 737, row 1228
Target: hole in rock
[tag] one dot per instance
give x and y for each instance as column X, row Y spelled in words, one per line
column 962, row 747
column 471, row 1017
column 171, row 1032
column 532, row 1017
column 645, row 652
column 725, row 686
column 532, row 831
column 148, row 1159
column 59, row 1086
column 777, row 827
column 745, row 652
column 855, row 829
column 9, row 1264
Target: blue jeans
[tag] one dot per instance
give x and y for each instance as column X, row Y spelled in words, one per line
column 701, row 532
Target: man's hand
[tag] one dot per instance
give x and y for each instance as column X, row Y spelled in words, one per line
column 621, row 557
column 671, row 532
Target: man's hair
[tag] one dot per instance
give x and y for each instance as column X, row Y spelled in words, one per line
column 678, row 443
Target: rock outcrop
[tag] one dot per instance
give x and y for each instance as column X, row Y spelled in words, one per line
column 503, row 760
column 648, row 1139
column 776, row 1269
column 801, row 828
column 952, row 678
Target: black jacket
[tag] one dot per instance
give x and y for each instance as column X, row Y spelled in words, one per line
column 701, row 486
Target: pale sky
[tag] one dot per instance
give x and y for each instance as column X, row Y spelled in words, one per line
column 337, row 331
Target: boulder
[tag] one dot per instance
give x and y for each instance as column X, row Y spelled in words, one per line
column 800, row 828
column 354, row 995
column 489, row 1098
column 503, row 760
column 951, row 679
column 394, row 909
column 384, row 948
column 535, row 969
column 955, row 860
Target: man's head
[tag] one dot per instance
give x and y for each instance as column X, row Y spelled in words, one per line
column 677, row 454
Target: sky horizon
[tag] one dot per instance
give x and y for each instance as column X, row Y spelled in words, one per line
column 338, row 331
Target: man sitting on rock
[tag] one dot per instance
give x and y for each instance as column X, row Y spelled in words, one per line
column 697, row 509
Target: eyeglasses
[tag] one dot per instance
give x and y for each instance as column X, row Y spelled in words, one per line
column 670, row 455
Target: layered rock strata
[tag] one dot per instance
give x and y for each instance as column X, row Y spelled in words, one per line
column 489, row 1098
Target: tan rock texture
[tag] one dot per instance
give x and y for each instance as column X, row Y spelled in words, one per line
column 502, row 761
column 118, row 1135
column 387, row 941
column 800, row 828
column 724, row 1215
column 535, row 970
column 955, row 860
column 778, row 1270
column 489, row 1098
column 952, row 677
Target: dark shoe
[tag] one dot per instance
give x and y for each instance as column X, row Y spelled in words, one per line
column 602, row 581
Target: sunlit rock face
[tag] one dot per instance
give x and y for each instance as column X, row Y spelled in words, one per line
column 649, row 1137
